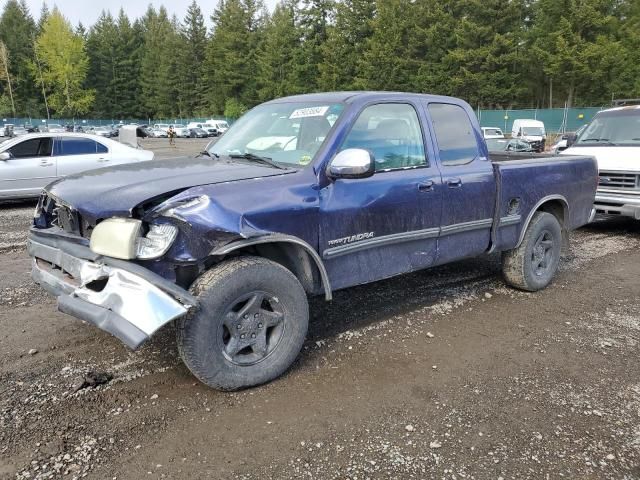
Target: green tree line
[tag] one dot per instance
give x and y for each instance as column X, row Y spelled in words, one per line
column 494, row 54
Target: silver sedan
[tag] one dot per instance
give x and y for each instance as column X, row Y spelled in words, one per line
column 30, row 162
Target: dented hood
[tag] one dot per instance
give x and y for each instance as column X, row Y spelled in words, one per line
column 116, row 191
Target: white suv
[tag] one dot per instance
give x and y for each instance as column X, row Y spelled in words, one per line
column 613, row 137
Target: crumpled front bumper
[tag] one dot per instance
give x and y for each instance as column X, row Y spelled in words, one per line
column 120, row 297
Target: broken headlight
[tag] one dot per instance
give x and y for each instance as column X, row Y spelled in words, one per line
column 123, row 238
column 156, row 242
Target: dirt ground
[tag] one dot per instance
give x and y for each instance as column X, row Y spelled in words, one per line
column 445, row 373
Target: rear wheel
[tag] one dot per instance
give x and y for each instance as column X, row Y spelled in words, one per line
column 250, row 326
column 533, row 264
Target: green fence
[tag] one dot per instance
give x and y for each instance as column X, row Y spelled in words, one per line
column 104, row 122
column 556, row 120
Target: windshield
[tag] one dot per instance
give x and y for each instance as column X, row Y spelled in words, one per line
column 287, row 133
column 533, row 131
column 616, row 127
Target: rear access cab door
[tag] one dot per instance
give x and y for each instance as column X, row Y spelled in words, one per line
column 469, row 186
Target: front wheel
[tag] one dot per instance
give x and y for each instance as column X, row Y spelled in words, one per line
column 250, row 326
column 533, row 264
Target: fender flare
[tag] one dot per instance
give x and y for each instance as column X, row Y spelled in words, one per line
column 280, row 238
column 544, row 200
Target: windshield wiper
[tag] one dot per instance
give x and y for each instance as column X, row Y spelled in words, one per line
column 605, row 141
column 258, row 158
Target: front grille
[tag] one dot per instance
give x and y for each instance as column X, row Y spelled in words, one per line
column 51, row 213
column 618, row 181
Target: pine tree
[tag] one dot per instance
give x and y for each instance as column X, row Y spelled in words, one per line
column 17, row 32
column 346, row 42
column 231, row 54
column 574, row 47
column 101, row 47
column 388, row 62
column 193, row 57
column 315, row 16
column 128, row 52
column 156, row 88
column 276, row 57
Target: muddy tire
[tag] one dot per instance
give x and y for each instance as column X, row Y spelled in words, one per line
column 250, row 326
column 533, row 264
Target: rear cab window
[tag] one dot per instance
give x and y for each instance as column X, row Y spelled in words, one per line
column 455, row 137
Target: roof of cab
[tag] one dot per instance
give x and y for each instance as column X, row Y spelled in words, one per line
column 350, row 97
column 626, row 107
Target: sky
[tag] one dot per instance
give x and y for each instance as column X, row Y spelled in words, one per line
column 87, row 11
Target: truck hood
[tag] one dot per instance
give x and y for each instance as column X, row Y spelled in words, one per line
column 610, row 158
column 116, row 191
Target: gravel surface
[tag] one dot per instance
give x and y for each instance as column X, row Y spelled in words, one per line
column 444, row 373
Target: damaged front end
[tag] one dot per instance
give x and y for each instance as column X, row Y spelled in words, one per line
column 120, row 297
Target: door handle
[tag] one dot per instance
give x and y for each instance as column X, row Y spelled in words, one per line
column 45, row 164
column 454, row 182
column 102, row 160
column 426, row 186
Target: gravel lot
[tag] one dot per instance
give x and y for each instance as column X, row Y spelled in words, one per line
column 444, row 373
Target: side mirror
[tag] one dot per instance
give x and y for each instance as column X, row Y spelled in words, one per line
column 352, row 163
column 5, row 156
column 571, row 139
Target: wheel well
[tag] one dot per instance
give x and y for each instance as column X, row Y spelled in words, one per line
column 556, row 208
column 559, row 209
column 291, row 256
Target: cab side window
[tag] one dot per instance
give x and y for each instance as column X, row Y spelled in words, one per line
column 36, row 147
column 456, row 139
column 392, row 133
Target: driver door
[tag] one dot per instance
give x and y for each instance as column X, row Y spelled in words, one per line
column 30, row 168
column 387, row 224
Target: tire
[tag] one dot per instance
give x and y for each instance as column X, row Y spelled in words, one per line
column 532, row 265
column 250, row 326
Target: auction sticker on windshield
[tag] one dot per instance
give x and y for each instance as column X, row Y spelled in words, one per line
column 309, row 112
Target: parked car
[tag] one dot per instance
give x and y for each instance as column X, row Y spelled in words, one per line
column 181, row 131
column 230, row 244
column 221, row 126
column 105, row 132
column 613, row 137
column 157, row 133
column 210, row 128
column 30, row 162
column 492, row 132
column 508, row 145
column 532, row 131
column 161, row 126
column 198, row 133
column 55, row 128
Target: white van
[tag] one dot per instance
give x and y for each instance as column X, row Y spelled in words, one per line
column 613, row 137
column 492, row 132
column 531, row 131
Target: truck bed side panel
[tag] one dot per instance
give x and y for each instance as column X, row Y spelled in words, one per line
column 524, row 184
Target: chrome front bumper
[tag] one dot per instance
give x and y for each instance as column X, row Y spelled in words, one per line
column 122, row 298
column 617, row 204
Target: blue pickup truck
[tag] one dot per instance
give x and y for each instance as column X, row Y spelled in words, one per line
column 303, row 196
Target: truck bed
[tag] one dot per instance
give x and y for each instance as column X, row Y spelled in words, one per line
column 526, row 180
